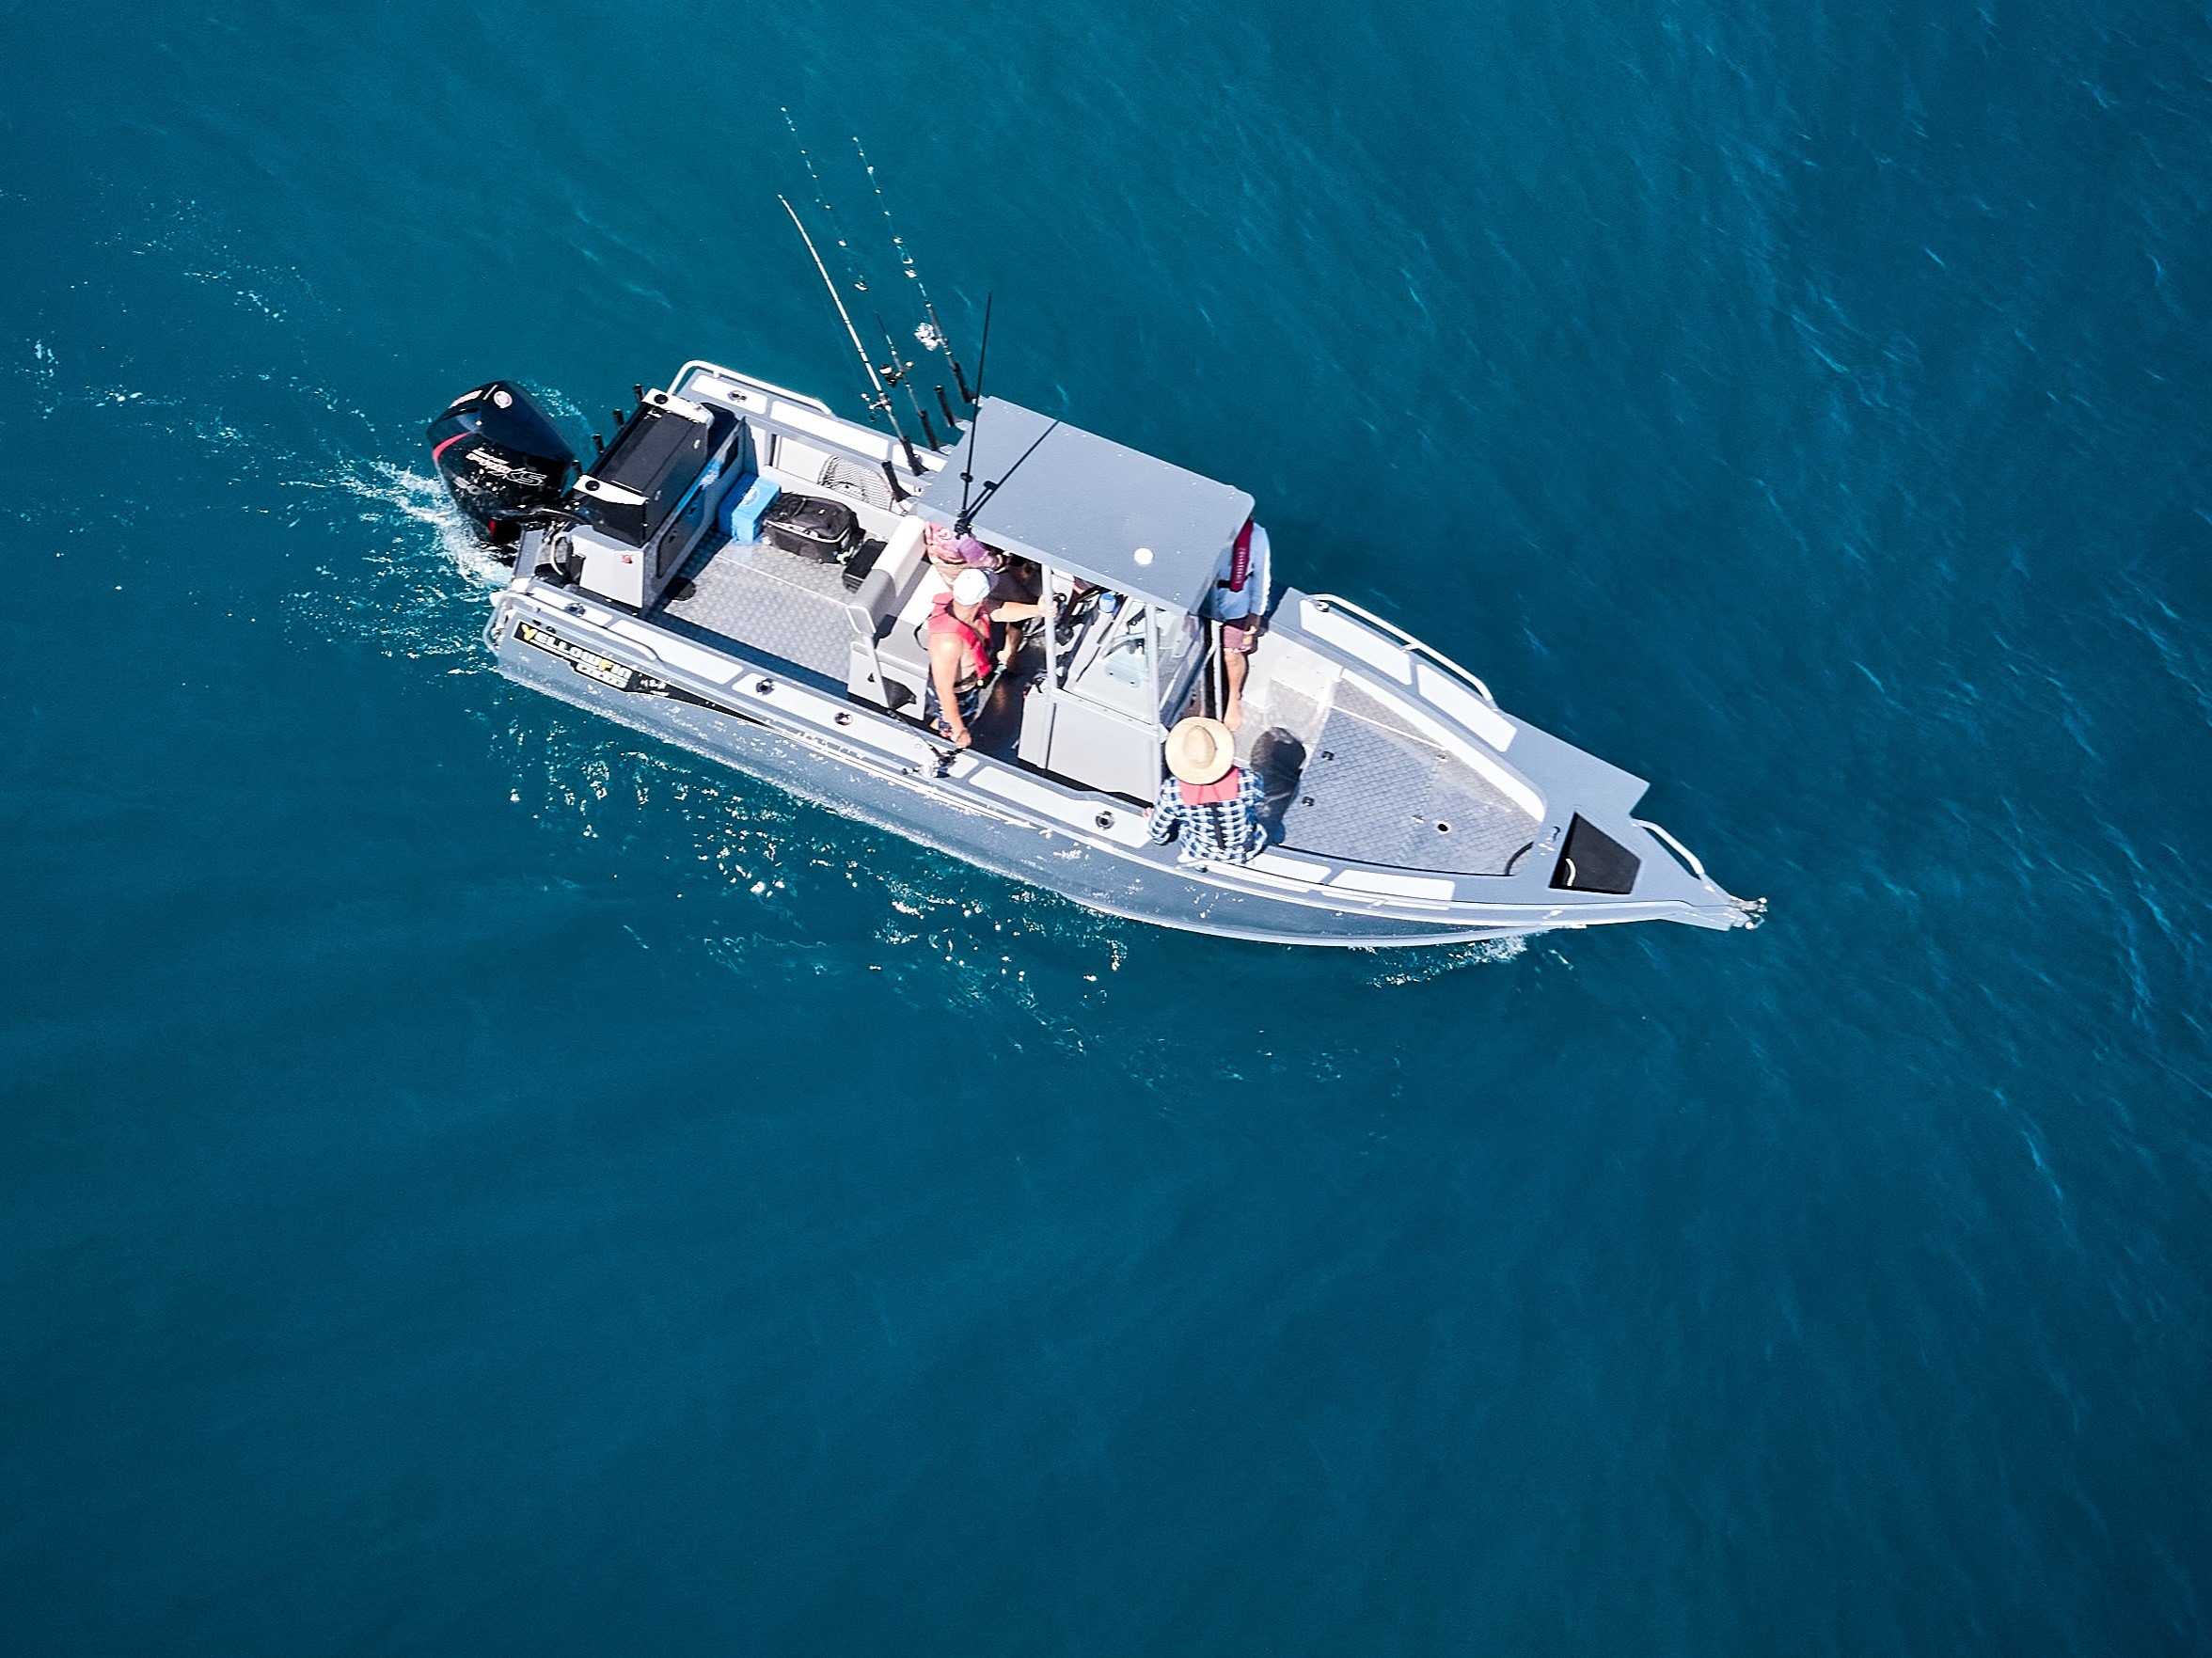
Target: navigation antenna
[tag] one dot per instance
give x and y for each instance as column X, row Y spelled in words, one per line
column 993, row 487
column 880, row 398
column 934, row 338
column 968, row 463
column 965, row 521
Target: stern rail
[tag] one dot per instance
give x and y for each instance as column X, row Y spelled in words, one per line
column 696, row 364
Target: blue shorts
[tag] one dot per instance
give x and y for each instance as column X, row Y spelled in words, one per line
column 971, row 703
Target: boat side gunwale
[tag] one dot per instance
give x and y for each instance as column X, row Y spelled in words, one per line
column 910, row 756
column 583, row 694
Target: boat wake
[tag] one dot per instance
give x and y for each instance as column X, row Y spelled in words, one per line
column 423, row 578
column 419, row 498
column 1421, row 967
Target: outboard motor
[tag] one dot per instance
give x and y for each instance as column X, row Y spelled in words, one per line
column 502, row 460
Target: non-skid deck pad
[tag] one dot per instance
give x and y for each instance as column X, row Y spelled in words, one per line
column 764, row 599
column 1377, row 792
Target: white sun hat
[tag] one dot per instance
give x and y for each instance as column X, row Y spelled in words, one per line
column 1201, row 750
column 971, row 587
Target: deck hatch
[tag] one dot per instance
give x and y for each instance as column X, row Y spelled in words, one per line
column 1593, row 861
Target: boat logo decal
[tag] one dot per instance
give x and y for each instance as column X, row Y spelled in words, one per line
column 610, row 673
column 588, row 663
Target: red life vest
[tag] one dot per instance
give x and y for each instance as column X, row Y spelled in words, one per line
column 1222, row 789
column 1241, row 559
column 942, row 620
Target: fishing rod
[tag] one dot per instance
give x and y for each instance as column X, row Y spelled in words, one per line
column 881, row 400
column 895, row 373
column 844, row 247
column 981, row 361
column 936, row 338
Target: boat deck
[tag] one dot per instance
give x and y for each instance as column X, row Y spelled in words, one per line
column 1352, row 782
column 768, row 602
column 1371, row 789
column 755, row 597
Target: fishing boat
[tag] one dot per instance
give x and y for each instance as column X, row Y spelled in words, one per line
column 743, row 572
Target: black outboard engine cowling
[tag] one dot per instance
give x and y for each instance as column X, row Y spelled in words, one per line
column 502, row 458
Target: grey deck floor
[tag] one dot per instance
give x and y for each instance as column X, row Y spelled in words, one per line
column 766, row 600
column 1375, row 791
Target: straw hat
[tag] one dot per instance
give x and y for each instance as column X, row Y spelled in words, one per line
column 971, row 587
column 1201, row 750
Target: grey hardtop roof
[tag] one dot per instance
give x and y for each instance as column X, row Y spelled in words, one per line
column 1086, row 504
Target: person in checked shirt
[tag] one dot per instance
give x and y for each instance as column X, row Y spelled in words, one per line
column 1208, row 803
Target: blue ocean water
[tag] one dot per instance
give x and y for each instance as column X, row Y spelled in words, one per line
column 474, row 1181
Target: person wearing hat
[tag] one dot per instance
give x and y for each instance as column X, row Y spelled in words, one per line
column 1208, row 803
column 969, row 644
column 950, row 554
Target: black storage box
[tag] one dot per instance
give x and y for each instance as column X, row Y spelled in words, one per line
column 648, row 471
column 857, row 567
column 810, row 526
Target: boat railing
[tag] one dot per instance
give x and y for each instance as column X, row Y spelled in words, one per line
column 1404, row 641
column 698, row 364
column 1674, row 845
column 1749, row 912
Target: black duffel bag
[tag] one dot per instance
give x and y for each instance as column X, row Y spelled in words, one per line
column 810, row 526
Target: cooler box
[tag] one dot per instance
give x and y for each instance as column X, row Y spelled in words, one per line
column 741, row 513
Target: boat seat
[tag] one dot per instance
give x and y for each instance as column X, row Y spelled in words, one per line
column 886, row 588
column 889, row 659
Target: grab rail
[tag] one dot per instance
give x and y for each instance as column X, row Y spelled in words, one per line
column 1405, row 640
column 617, row 627
column 1680, row 850
column 684, row 374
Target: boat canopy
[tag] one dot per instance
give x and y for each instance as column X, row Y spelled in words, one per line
column 1086, row 505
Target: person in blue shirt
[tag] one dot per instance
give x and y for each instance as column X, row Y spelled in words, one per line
column 1208, row 804
column 1240, row 603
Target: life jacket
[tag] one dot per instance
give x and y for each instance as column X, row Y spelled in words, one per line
column 1241, row 559
column 1221, row 790
column 942, row 620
